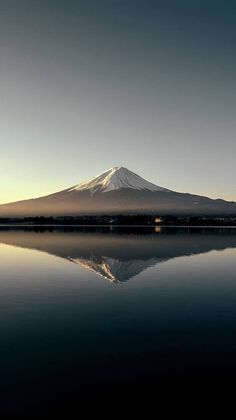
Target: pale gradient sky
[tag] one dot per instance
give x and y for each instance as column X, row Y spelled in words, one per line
column 90, row 84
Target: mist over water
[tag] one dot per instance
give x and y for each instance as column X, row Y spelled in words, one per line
column 113, row 313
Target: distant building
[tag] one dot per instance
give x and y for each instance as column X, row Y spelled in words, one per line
column 158, row 220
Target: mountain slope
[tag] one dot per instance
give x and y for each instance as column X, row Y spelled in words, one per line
column 117, row 190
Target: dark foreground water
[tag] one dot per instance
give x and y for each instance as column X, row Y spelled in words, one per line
column 105, row 315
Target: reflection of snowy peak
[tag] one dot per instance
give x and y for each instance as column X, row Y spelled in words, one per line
column 115, row 179
column 114, row 270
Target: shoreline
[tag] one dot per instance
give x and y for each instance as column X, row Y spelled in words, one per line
column 117, row 226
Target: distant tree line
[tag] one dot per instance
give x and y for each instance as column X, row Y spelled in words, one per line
column 125, row 220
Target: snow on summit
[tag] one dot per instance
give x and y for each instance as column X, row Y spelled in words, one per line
column 115, row 179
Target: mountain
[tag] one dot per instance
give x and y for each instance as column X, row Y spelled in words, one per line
column 118, row 190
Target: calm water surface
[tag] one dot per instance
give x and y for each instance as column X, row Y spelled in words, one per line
column 106, row 313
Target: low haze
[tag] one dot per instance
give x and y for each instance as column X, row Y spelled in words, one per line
column 87, row 85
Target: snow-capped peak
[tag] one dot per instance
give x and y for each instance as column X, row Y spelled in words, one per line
column 115, row 179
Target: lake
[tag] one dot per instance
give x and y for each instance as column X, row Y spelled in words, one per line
column 110, row 314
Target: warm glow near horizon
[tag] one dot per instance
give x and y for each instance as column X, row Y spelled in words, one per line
column 18, row 191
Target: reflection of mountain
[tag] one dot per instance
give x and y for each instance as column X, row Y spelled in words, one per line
column 123, row 253
column 114, row 270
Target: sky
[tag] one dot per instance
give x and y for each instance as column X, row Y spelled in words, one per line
column 86, row 85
